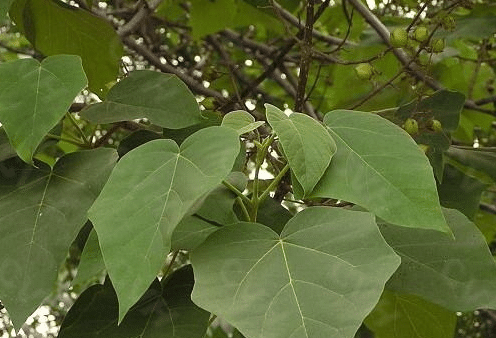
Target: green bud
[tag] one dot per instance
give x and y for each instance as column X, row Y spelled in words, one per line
column 448, row 23
column 399, row 38
column 424, row 147
column 437, row 45
column 364, row 71
column 411, row 126
column 421, row 34
column 436, row 126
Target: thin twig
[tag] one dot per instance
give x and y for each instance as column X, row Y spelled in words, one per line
column 306, row 57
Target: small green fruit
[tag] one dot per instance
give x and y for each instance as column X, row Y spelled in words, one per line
column 436, row 126
column 411, row 126
column 364, row 71
column 448, row 23
column 424, row 147
column 399, row 38
column 421, row 34
column 437, row 45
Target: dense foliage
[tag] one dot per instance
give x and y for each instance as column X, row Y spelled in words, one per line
column 248, row 168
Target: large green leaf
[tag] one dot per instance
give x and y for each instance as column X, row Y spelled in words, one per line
column 151, row 189
column 41, row 212
column 319, row 278
column 91, row 264
column 34, row 97
column 53, row 27
column 169, row 313
column 379, row 166
column 162, row 98
column 191, row 232
column 401, row 316
column 457, row 274
column 6, row 150
column 306, row 144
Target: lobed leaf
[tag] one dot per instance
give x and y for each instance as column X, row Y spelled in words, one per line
column 151, row 189
column 378, row 166
column 34, row 96
column 457, row 274
column 54, row 27
column 263, row 284
column 161, row 98
column 41, row 212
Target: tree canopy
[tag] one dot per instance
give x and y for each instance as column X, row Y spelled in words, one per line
column 248, row 168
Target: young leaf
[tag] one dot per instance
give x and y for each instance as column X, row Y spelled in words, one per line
column 42, row 211
column 151, row 189
column 399, row 316
column 162, row 98
column 53, row 27
column 306, row 144
column 241, row 121
column 91, row 263
column 379, row 167
column 263, row 284
column 169, row 313
column 457, row 274
column 34, row 97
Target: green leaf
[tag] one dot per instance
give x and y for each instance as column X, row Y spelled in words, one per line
column 210, row 118
column 457, row 274
column 307, row 145
column 42, row 210
column 241, row 121
column 272, row 214
column 263, row 284
column 191, row 232
column 460, row 191
column 34, row 97
column 91, row 264
column 162, row 98
column 211, row 16
column 4, row 8
column 151, row 189
column 135, row 140
column 477, row 158
column 169, row 313
column 399, row 316
column 6, row 150
column 53, row 27
column 379, row 166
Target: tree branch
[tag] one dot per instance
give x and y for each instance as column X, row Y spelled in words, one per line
column 143, row 13
column 407, row 62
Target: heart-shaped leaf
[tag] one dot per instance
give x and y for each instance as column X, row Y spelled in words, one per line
column 319, row 278
column 55, row 27
column 241, row 121
column 399, row 316
column 41, row 212
column 34, row 97
column 169, row 313
column 151, row 189
column 162, row 98
column 307, row 145
column 379, row 166
column 458, row 274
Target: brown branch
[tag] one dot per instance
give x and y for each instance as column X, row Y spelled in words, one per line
column 193, row 84
column 140, row 16
column 407, row 62
column 296, row 23
column 306, row 57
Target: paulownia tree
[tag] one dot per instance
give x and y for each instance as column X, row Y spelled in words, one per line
column 295, row 169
